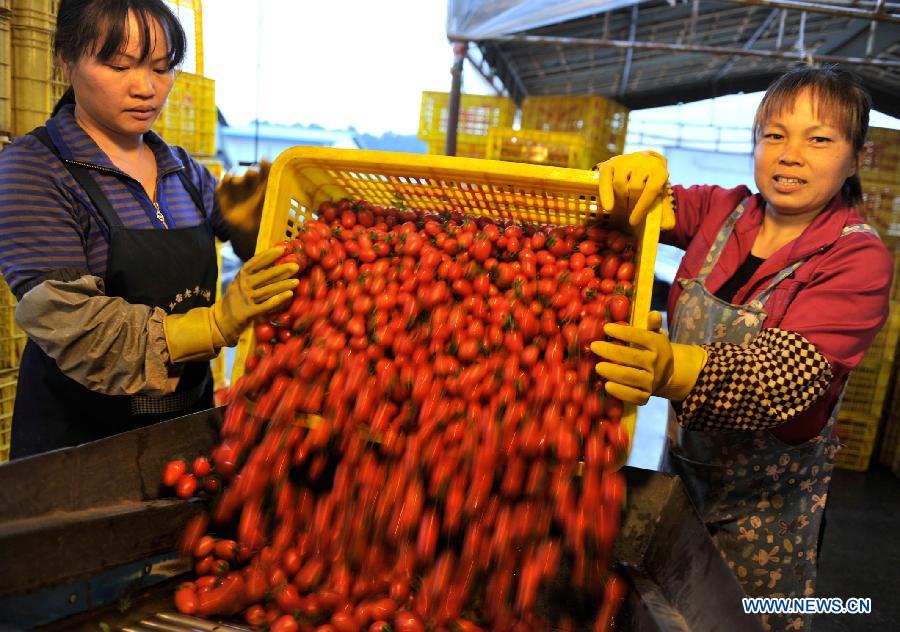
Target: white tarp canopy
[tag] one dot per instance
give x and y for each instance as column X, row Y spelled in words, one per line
column 484, row 19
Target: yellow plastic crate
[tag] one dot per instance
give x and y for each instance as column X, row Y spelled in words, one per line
column 558, row 149
column 5, row 70
column 881, row 152
column 849, row 458
column 304, row 177
column 858, row 430
column 8, row 381
column 867, row 389
column 12, row 339
column 602, row 122
column 477, row 116
column 870, row 381
column 895, row 287
column 215, row 166
column 190, row 14
column 189, row 118
column 881, row 204
column 32, row 78
column 463, row 149
column 33, row 14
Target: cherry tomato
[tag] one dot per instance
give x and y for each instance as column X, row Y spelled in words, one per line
column 619, row 307
column 201, row 467
column 265, row 332
column 186, row 600
column 205, row 546
column 255, row 615
column 212, row 484
column 186, row 486
column 625, row 272
column 408, row 622
column 285, row 623
column 172, row 472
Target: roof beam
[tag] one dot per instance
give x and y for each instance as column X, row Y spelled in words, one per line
column 632, row 33
column 880, row 13
column 692, row 48
column 749, row 43
column 487, row 73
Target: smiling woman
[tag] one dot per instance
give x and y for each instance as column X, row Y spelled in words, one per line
column 778, row 296
column 108, row 241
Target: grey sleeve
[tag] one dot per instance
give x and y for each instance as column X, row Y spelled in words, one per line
column 765, row 384
column 102, row 342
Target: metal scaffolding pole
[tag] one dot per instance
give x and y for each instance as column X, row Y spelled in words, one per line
column 460, row 49
column 879, row 14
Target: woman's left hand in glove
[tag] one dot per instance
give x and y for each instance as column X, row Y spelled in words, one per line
column 651, row 365
column 241, row 202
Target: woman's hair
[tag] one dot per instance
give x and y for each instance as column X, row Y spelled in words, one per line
column 832, row 90
column 99, row 27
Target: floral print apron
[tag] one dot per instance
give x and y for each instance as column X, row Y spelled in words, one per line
column 761, row 499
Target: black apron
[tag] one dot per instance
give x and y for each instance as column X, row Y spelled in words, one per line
column 172, row 269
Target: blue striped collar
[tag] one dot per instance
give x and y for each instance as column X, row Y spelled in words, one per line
column 75, row 144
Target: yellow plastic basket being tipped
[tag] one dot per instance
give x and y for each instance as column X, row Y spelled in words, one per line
column 304, row 177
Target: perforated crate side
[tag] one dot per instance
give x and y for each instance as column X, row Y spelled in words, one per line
column 537, row 147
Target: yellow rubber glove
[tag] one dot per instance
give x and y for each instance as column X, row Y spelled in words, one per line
column 651, row 366
column 634, row 183
column 241, row 202
column 256, row 289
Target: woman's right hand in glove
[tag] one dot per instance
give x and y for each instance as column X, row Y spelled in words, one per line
column 634, row 183
column 257, row 288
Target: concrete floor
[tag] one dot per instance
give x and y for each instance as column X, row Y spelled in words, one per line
column 861, row 550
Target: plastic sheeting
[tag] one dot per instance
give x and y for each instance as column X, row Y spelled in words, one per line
column 484, row 19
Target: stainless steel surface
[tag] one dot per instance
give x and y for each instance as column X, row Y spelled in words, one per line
column 202, row 624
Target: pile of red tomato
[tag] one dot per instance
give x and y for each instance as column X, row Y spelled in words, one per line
column 419, row 440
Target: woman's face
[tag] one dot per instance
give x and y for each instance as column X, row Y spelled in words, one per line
column 801, row 160
column 122, row 97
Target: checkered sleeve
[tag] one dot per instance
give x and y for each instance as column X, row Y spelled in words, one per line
column 762, row 385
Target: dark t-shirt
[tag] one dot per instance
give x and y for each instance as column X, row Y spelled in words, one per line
column 739, row 279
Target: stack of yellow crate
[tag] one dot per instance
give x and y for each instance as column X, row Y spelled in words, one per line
column 12, row 342
column 189, row 118
column 5, row 73
column 872, row 382
column 36, row 84
column 563, row 131
column 478, row 115
column 880, row 176
column 867, row 391
column 601, row 122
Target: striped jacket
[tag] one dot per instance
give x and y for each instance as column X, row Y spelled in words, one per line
column 48, row 226
column 53, row 254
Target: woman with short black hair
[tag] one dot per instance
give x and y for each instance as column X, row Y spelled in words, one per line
column 108, row 241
